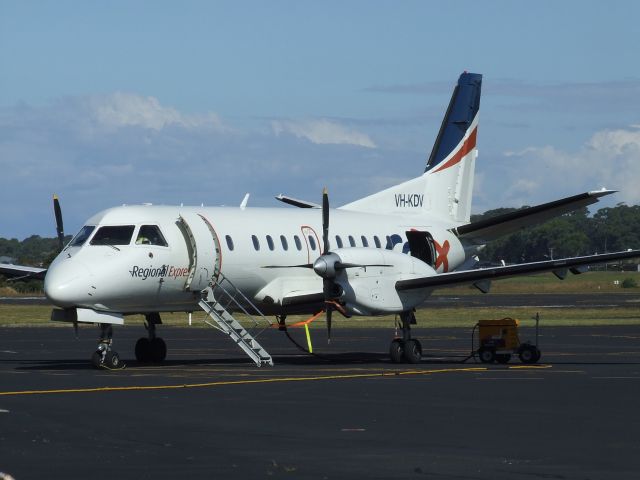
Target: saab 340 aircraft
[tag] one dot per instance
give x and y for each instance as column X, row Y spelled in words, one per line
column 382, row 254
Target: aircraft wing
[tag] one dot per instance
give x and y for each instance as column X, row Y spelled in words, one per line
column 19, row 271
column 559, row 267
column 483, row 231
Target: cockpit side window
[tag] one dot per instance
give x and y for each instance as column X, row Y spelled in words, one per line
column 150, row 235
column 81, row 236
column 116, row 235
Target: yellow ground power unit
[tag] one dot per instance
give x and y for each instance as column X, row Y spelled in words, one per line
column 499, row 340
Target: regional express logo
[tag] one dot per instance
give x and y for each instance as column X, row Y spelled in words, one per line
column 155, row 272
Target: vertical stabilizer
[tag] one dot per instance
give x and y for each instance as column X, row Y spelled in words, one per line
column 445, row 188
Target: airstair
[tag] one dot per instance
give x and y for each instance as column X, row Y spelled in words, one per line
column 218, row 300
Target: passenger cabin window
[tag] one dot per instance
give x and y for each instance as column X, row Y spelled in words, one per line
column 365, row 243
column 270, row 242
column 256, row 242
column 120, row 235
column 376, row 240
column 352, row 242
column 150, row 235
column 229, row 241
column 297, row 241
column 283, row 240
column 338, row 241
column 81, row 236
column 312, row 243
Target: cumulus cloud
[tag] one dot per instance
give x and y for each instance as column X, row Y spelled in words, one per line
column 322, row 131
column 610, row 158
column 101, row 151
column 127, row 110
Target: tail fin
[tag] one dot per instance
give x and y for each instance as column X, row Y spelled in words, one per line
column 446, row 186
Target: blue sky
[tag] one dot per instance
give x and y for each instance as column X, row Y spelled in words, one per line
column 115, row 102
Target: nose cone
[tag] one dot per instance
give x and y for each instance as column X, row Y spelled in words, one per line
column 66, row 282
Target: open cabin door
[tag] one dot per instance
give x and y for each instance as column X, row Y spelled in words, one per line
column 204, row 250
column 421, row 246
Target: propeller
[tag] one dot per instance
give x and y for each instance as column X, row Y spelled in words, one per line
column 321, row 266
column 59, row 225
column 327, row 266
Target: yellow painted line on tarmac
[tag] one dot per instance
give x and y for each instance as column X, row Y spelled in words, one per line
column 529, row 367
column 244, row 382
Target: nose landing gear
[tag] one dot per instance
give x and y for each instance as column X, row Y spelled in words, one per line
column 105, row 356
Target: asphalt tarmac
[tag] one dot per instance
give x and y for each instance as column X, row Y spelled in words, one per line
column 346, row 413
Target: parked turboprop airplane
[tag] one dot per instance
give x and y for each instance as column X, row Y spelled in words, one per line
column 382, row 254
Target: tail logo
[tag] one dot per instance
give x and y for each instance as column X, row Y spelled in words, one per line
column 442, row 252
column 468, row 145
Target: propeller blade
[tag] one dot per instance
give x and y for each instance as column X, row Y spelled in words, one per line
column 325, row 220
column 304, row 265
column 342, row 266
column 59, row 225
column 329, row 310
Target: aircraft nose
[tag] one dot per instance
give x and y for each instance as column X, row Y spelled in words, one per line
column 65, row 284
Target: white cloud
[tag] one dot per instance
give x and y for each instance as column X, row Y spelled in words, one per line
column 610, row 158
column 120, row 109
column 101, row 151
column 322, row 131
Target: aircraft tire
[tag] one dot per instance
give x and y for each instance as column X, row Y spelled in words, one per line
column 96, row 359
column 143, row 350
column 158, row 350
column 412, row 351
column 487, row 355
column 396, row 351
column 112, row 360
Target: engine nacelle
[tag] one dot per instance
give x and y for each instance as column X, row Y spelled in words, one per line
column 371, row 290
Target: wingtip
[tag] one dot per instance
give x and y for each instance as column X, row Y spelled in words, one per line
column 602, row 192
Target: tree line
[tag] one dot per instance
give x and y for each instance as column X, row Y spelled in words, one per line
column 610, row 229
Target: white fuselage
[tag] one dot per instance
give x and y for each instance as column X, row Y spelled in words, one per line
column 142, row 278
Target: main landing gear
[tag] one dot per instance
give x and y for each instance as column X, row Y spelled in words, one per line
column 104, row 356
column 406, row 349
column 151, row 349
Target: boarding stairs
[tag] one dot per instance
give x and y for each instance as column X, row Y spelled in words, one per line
column 218, row 300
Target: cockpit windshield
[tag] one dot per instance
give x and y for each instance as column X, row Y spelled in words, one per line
column 82, row 236
column 150, row 235
column 116, row 235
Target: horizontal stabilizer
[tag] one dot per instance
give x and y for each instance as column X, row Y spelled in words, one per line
column 495, row 227
column 295, row 202
column 484, row 274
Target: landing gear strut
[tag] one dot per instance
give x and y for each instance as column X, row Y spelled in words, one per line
column 406, row 349
column 104, row 356
column 152, row 348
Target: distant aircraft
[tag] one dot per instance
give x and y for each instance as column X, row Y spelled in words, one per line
column 382, row 254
